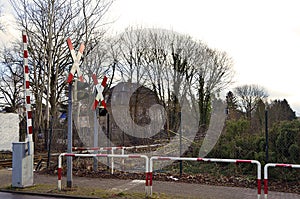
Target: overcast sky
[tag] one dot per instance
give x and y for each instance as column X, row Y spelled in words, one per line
column 262, row 36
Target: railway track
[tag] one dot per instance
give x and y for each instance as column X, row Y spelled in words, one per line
column 6, row 159
column 40, row 159
column 6, row 163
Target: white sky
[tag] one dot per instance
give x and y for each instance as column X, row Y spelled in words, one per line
column 262, row 36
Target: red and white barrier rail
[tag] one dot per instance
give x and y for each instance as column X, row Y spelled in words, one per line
column 26, row 88
column 99, row 149
column 96, row 148
column 27, row 94
column 142, row 146
column 296, row 166
column 112, row 149
column 156, row 158
column 59, row 169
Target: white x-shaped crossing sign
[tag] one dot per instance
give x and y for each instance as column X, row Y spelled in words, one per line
column 76, row 61
column 99, row 89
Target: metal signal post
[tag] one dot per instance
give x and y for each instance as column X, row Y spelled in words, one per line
column 98, row 98
column 74, row 69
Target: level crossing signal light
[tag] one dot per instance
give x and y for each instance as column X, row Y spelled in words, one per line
column 99, row 98
column 102, row 111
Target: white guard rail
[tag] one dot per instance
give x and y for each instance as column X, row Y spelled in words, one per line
column 156, row 158
column 59, row 169
column 296, row 166
column 113, row 149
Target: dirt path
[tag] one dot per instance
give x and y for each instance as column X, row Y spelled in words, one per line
column 174, row 188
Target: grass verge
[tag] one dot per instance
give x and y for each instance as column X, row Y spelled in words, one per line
column 85, row 192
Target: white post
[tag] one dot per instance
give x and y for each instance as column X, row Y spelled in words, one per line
column 112, row 161
column 123, row 160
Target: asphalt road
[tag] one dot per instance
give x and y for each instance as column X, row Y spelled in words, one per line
column 4, row 195
column 172, row 188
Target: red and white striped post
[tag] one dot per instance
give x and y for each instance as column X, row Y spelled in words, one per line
column 27, row 95
column 296, row 166
column 59, row 169
column 150, row 175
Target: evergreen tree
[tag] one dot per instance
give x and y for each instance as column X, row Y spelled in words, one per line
column 280, row 110
column 232, row 106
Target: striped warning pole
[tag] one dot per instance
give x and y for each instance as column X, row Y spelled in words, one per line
column 27, row 94
column 295, row 166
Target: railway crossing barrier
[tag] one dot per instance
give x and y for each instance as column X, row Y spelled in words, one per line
column 99, row 149
column 156, row 158
column 23, row 152
column 296, row 166
column 59, row 169
column 113, row 149
column 27, row 95
column 149, row 165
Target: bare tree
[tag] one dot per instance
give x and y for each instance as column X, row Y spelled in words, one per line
column 11, row 82
column 132, row 48
column 249, row 96
column 48, row 24
column 102, row 60
column 173, row 64
column 213, row 73
column 157, row 63
column 1, row 25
